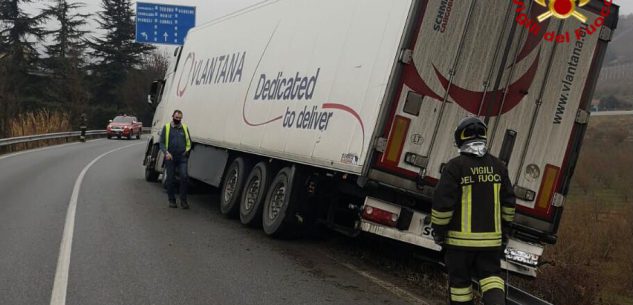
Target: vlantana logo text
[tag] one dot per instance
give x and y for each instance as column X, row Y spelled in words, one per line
column 537, row 19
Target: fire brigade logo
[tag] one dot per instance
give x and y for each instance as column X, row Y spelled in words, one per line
column 563, row 9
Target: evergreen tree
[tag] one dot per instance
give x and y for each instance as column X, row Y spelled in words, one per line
column 68, row 39
column 19, row 33
column 117, row 54
column 65, row 60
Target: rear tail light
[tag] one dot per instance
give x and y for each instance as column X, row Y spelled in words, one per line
column 548, row 185
column 380, row 216
column 396, row 140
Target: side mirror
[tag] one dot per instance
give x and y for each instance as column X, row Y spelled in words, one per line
column 154, row 91
column 109, row 121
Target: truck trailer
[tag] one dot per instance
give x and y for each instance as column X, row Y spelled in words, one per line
column 342, row 112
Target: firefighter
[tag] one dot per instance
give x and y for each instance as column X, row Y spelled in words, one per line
column 473, row 206
column 83, row 126
column 175, row 143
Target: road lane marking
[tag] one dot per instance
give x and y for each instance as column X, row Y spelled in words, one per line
column 60, row 285
column 409, row 297
column 43, row 148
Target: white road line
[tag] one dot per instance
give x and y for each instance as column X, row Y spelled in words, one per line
column 58, row 297
column 43, row 148
column 409, row 297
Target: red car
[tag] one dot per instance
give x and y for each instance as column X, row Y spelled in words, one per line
column 124, row 126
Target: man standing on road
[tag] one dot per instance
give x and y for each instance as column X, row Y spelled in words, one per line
column 473, row 206
column 175, row 143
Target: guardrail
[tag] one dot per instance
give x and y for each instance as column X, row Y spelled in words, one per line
column 515, row 295
column 611, row 113
column 49, row 136
column 54, row 136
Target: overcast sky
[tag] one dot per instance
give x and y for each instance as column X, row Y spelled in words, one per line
column 208, row 10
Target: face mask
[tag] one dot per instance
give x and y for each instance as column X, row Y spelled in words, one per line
column 477, row 148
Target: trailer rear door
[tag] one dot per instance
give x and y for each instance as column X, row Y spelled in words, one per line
column 473, row 58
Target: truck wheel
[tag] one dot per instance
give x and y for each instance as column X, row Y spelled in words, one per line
column 254, row 194
column 232, row 186
column 129, row 136
column 109, row 137
column 278, row 204
column 138, row 135
column 151, row 175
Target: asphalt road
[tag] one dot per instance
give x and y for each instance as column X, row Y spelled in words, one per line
column 128, row 247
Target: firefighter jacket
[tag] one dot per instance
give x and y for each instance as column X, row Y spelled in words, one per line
column 473, row 202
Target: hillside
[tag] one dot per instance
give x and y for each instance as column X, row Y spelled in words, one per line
column 621, row 48
column 616, row 76
column 592, row 263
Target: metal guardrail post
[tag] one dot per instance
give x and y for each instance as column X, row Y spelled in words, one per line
column 83, row 127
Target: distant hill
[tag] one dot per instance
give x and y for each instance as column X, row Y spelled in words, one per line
column 621, row 47
column 616, row 77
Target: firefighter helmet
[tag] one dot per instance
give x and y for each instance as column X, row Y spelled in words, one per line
column 470, row 129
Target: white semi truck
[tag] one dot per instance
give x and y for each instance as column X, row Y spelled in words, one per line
column 342, row 112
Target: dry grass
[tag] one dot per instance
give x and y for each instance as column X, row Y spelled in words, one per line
column 40, row 122
column 592, row 263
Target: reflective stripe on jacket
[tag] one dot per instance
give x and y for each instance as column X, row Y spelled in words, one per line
column 187, row 137
column 473, row 202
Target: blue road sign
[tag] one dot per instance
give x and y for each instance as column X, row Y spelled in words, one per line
column 162, row 23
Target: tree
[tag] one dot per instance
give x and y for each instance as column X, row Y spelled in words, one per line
column 19, row 33
column 65, row 61
column 136, row 87
column 117, row 54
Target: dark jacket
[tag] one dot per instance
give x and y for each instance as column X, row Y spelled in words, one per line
column 473, row 202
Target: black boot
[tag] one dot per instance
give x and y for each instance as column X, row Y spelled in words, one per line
column 184, row 204
column 172, row 204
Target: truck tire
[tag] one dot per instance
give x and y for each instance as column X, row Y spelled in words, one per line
column 232, row 186
column 151, row 175
column 255, row 187
column 129, row 135
column 278, row 207
column 138, row 135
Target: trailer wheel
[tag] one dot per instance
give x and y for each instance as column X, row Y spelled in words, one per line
column 232, row 186
column 151, row 175
column 254, row 193
column 277, row 213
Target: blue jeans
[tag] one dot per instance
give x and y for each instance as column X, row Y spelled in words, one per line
column 180, row 163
